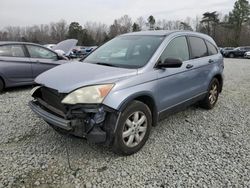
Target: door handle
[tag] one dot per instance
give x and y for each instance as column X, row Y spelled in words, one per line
column 210, row 61
column 189, row 66
column 38, row 62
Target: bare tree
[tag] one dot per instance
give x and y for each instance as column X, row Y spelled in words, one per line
column 58, row 30
column 125, row 23
column 98, row 31
column 120, row 26
column 141, row 23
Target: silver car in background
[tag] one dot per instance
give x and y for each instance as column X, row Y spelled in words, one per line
column 247, row 55
column 22, row 62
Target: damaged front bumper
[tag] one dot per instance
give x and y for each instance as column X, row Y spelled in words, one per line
column 95, row 123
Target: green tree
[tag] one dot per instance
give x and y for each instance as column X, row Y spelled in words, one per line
column 75, row 31
column 209, row 22
column 238, row 17
column 151, row 22
column 136, row 27
column 87, row 39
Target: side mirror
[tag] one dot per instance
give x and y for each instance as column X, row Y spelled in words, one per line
column 170, row 63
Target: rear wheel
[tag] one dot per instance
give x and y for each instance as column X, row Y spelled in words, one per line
column 231, row 55
column 212, row 96
column 133, row 129
column 1, row 85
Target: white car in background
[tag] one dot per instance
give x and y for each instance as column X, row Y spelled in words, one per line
column 247, row 55
column 63, row 48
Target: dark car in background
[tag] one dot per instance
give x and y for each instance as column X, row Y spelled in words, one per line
column 224, row 50
column 21, row 62
column 82, row 51
column 236, row 52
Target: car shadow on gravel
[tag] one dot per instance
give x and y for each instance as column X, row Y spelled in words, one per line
column 80, row 149
column 16, row 89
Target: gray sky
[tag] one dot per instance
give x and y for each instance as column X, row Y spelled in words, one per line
column 30, row 12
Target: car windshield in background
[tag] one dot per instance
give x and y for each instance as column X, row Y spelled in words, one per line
column 126, row 51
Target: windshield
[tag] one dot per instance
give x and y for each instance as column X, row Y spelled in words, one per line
column 126, row 51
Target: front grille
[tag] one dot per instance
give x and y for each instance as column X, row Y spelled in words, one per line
column 53, row 98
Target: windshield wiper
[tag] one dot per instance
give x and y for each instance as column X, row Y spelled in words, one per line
column 107, row 64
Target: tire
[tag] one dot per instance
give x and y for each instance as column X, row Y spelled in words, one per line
column 231, row 55
column 134, row 124
column 1, row 85
column 212, row 96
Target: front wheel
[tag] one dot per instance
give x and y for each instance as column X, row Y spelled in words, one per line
column 133, row 129
column 212, row 96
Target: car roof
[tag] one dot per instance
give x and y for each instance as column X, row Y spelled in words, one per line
column 162, row 32
column 166, row 33
column 16, row 42
column 153, row 33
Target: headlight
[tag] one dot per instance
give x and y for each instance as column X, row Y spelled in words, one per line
column 88, row 95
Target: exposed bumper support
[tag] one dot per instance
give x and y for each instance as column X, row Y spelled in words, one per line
column 48, row 117
column 77, row 127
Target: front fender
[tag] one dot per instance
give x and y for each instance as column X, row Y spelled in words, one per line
column 118, row 99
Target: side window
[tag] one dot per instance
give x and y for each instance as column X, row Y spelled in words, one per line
column 39, row 52
column 212, row 50
column 176, row 49
column 12, row 51
column 198, row 47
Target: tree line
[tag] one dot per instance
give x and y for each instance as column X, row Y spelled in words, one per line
column 232, row 29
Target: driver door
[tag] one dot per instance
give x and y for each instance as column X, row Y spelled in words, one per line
column 42, row 59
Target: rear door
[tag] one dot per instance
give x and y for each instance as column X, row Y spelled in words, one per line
column 202, row 60
column 14, row 64
column 42, row 59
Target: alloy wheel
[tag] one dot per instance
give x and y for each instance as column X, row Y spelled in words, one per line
column 213, row 94
column 134, row 129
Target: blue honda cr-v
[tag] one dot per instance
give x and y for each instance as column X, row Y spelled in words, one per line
column 127, row 85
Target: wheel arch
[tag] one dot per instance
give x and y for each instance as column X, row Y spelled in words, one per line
column 145, row 98
column 219, row 77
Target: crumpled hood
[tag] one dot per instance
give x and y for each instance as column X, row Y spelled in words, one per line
column 70, row 76
column 65, row 47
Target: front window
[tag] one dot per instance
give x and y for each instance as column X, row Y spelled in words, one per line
column 176, row 49
column 39, row 52
column 126, row 51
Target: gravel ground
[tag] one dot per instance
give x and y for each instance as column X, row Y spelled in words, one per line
column 194, row 148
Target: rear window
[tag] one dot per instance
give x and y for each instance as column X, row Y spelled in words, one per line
column 198, row 47
column 12, row 51
column 212, row 50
